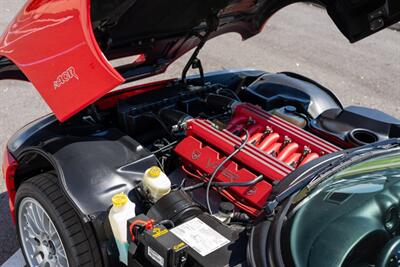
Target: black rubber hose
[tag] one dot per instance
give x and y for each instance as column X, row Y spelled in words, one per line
column 247, row 183
column 159, row 120
column 225, row 184
column 219, row 103
column 219, row 167
column 228, row 91
column 173, row 117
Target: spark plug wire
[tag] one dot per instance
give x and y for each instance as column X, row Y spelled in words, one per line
column 219, row 167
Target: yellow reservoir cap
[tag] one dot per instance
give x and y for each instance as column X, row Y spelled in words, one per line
column 154, row 171
column 119, row 200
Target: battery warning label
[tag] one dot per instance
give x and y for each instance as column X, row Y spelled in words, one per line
column 199, row 236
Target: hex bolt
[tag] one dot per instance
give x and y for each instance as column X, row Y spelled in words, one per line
column 287, row 140
column 250, row 121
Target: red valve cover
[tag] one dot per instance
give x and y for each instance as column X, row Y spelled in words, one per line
column 275, row 148
column 206, row 159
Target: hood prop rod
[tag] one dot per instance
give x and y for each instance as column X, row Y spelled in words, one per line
column 194, row 62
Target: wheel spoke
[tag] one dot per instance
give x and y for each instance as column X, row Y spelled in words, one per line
column 46, row 224
column 31, row 225
column 38, row 212
column 52, row 231
column 56, row 242
column 61, row 254
column 32, row 214
column 36, row 228
column 62, row 260
column 31, row 233
column 32, row 241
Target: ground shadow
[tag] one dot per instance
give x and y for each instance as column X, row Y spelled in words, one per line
column 8, row 239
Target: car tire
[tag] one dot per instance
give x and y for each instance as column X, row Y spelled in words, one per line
column 77, row 239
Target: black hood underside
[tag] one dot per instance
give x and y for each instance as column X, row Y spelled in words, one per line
column 164, row 30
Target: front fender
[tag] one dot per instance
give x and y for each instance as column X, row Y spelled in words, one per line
column 91, row 168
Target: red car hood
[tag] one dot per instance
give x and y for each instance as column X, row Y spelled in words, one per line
column 64, row 46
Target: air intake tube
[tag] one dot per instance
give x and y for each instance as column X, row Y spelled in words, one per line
column 220, row 103
column 174, row 119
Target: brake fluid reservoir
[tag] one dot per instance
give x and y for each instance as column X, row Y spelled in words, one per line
column 121, row 211
column 156, row 183
column 288, row 113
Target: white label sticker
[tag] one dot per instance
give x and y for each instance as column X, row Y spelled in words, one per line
column 155, row 256
column 199, row 236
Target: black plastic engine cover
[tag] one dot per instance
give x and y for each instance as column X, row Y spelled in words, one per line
column 354, row 126
column 137, row 115
column 274, row 90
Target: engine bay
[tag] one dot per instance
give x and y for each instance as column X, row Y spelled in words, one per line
column 206, row 129
column 223, row 149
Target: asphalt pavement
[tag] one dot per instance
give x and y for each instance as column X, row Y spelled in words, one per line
column 301, row 39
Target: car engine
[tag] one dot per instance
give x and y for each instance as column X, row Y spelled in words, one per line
column 272, row 148
column 224, row 150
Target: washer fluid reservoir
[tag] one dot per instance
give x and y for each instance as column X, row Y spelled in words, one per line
column 121, row 211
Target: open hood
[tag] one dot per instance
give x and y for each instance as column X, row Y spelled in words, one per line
column 64, row 46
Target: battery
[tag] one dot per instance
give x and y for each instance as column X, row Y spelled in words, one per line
column 157, row 246
column 202, row 241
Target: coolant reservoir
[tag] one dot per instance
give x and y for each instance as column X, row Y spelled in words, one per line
column 121, row 211
column 156, row 183
column 288, row 113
